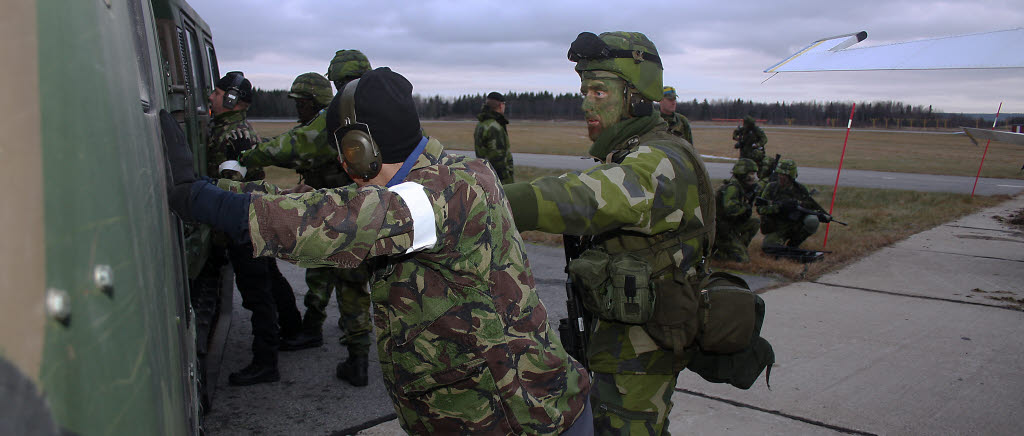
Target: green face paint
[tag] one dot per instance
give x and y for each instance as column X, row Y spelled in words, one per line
column 602, row 102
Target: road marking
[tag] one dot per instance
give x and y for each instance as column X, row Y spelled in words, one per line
column 1010, row 186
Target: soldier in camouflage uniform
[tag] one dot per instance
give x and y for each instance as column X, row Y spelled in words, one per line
column 264, row 290
column 735, row 225
column 312, row 93
column 677, row 123
column 305, row 149
column 490, row 138
column 463, row 338
column 781, row 222
column 750, row 139
column 651, row 198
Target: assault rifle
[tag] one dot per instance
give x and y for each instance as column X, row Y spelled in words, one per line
column 822, row 216
column 575, row 329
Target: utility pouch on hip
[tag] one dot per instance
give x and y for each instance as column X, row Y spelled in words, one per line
column 615, row 288
column 727, row 314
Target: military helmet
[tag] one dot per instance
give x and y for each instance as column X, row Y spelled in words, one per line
column 347, row 65
column 749, row 121
column 787, row 167
column 743, row 167
column 629, row 55
column 313, row 86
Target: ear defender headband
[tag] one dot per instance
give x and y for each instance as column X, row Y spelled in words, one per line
column 232, row 94
column 355, row 143
column 591, row 47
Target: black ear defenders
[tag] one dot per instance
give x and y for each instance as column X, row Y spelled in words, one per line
column 355, row 143
column 638, row 105
column 232, row 93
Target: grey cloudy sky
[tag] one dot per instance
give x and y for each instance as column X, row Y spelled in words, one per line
column 714, row 50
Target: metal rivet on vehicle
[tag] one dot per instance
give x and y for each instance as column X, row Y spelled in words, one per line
column 103, row 276
column 58, row 305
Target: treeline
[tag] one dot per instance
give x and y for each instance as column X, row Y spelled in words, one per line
column 547, row 106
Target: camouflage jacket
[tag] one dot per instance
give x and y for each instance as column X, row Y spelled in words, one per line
column 463, row 338
column 223, row 130
column 648, row 195
column 749, row 137
column 678, row 125
column 300, row 148
column 490, row 140
column 771, row 211
column 734, row 201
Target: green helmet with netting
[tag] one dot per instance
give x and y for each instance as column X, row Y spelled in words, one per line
column 347, row 65
column 313, row 86
column 787, row 167
column 743, row 167
column 629, row 55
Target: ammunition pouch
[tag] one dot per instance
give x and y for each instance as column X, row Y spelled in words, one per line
column 615, row 288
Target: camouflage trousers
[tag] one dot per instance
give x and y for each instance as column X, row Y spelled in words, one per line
column 631, row 404
column 733, row 237
column 791, row 233
column 353, row 296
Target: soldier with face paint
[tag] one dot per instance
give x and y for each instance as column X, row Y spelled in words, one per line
column 649, row 200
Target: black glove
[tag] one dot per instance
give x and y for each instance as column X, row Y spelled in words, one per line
column 737, row 145
column 824, row 217
column 240, row 141
column 179, row 164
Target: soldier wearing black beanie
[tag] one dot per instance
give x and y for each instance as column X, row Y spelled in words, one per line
column 383, row 101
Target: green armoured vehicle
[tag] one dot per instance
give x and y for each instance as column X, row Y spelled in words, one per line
column 98, row 278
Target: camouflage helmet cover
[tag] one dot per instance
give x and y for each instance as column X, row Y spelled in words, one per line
column 313, row 86
column 642, row 68
column 743, row 167
column 787, row 167
column 347, row 64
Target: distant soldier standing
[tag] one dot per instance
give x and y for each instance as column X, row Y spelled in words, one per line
column 781, row 221
column 649, row 205
column 750, row 139
column 264, row 290
column 305, row 148
column 677, row 123
column 735, row 224
column 490, row 139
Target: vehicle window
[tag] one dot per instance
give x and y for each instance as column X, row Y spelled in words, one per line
column 196, row 65
column 136, row 11
column 211, row 57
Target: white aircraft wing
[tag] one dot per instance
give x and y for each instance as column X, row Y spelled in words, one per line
column 999, row 49
column 994, row 135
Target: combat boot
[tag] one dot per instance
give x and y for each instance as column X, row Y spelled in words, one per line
column 353, row 370
column 253, row 374
column 302, row 340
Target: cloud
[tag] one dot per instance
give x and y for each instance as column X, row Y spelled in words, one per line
column 710, row 49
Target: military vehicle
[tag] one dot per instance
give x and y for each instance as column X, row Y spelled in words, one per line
column 99, row 279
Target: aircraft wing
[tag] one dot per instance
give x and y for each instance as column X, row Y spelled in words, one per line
column 994, row 135
column 999, row 49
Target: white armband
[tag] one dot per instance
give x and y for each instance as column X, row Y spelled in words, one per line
column 232, row 165
column 424, row 230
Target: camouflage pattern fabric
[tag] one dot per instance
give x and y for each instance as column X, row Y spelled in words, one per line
column 313, row 86
column 347, row 65
column 678, row 125
column 735, row 225
column 462, row 335
column 784, row 227
column 353, row 298
column 225, row 129
column 647, row 195
column 490, row 140
column 748, row 135
column 632, row 404
column 301, row 148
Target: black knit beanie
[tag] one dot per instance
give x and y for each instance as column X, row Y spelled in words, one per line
column 384, row 102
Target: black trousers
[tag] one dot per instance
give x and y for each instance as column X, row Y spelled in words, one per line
column 268, row 295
